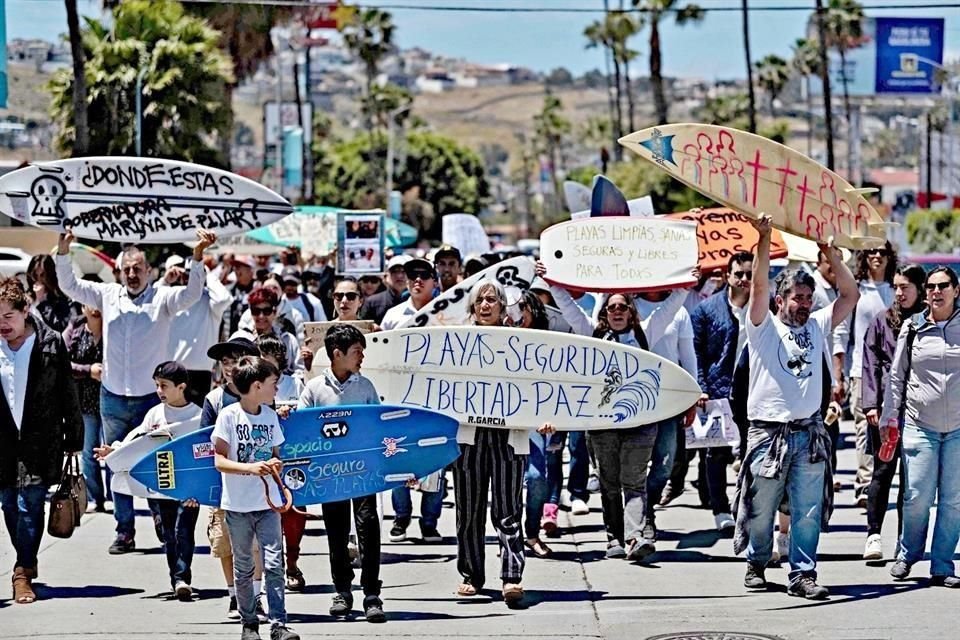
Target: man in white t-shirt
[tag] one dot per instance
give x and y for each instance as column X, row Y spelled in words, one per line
column 788, row 449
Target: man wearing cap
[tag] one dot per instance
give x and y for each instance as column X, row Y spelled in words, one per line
column 306, row 303
column 193, row 330
column 137, row 319
column 449, row 266
column 395, row 279
column 421, row 283
column 242, row 268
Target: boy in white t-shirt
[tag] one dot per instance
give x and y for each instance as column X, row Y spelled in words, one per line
column 176, row 520
column 247, row 439
column 788, row 449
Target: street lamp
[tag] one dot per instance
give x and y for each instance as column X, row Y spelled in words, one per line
column 391, row 117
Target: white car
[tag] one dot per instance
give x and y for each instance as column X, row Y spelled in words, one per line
column 13, row 262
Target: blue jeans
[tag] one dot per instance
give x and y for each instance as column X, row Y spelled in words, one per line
column 543, row 478
column 802, row 481
column 930, row 462
column 661, row 464
column 92, row 473
column 177, row 526
column 579, row 466
column 120, row 415
column 431, row 504
column 23, row 515
column 264, row 526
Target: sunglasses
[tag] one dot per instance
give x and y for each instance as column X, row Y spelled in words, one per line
column 743, row 275
column 261, row 311
column 878, row 252
column 422, row 275
column 619, row 306
column 349, row 295
column 933, row 286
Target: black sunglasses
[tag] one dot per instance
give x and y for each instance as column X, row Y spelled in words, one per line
column 618, row 306
column 261, row 311
column 349, row 295
column 932, row 286
column 423, row 275
column 743, row 275
column 878, row 252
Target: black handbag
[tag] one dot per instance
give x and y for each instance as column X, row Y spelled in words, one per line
column 69, row 501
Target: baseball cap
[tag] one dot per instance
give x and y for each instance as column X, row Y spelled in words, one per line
column 241, row 342
column 246, row 261
column 291, row 276
column 447, row 250
column 173, row 261
column 418, row 264
column 172, row 371
column 398, row 261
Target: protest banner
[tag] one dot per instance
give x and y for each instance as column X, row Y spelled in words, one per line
column 722, row 233
column 360, row 243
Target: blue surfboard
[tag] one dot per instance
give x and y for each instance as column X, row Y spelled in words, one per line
column 329, row 454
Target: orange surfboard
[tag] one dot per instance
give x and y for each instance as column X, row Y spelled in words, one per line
column 724, row 232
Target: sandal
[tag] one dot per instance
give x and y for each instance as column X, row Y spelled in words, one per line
column 466, row 590
column 538, row 548
column 22, row 590
column 512, row 593
column 295, row 581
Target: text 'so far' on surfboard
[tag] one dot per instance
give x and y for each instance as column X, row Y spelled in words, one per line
column 452, row 307
column 617, row 255
column 142, row 200
column 520, row 378
column 755, row 175
column 721, row 233
column 124, row 458
column 331, row 453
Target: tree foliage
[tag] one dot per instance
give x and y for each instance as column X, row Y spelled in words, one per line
column 933, row 231
column 773, row 73
column 185, row 76
column 369, row 36
column 431, row 170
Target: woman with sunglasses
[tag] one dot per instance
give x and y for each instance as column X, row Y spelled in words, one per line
column 622, row 454
column 874, row 274
column 347, row 299
column 923, row 400
column 493, row 459
column 264, row 303
column 878, row 349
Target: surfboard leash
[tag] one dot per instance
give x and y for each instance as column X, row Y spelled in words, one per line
column 284, row 492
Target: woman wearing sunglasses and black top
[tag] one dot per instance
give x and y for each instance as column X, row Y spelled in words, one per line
column 922, row 402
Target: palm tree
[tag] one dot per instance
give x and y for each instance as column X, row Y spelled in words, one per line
column 806, row 62
column 752, row 109
column 624, row 27
column 550, row 127
column 369, row 36
column 81, row 124
column 821, row 19
column 655, row 10
column 183, row 87
column 844, row 31
column 602, row 33
column 773, row 73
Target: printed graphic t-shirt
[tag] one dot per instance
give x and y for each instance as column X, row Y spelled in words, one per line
column 786, row 367
column 250, row 438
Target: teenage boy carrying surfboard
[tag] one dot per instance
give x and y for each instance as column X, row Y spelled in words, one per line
column 339, row 384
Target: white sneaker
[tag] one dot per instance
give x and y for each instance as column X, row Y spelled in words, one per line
column 579, row 508
column 593, row 483
column 724, row 521
column 873, row 550
column 565, row 499
column 783, row 545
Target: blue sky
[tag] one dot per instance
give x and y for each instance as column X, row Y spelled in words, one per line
column 711, row 50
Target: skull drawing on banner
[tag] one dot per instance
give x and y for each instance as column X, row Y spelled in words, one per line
column 47, row 193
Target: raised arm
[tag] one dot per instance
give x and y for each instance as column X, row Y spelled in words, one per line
column 847, row 291
column 82, row 291
column 179, row 298
column 760, row 285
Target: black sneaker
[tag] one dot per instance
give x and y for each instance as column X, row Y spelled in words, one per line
column 342, row 604
column 261, row 614
column 250, row 632
column 754, row 578
column 373, row 609
column 429, row 534
column 950, row 582
column 807, row 587
column 122, row 544
column 233, row 613
column 282, row 632
column 398, row 533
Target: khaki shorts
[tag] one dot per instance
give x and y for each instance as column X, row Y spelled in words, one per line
column 218, row 534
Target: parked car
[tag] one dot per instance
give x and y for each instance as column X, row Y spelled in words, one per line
column 13, row 262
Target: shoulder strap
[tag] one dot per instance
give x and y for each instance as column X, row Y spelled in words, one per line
column 307, row 305
column 908, row 353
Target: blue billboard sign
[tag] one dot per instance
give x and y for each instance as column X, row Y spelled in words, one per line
column 909, row 52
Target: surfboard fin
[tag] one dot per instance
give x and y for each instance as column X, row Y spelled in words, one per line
column 862, row 191
column 607, row 199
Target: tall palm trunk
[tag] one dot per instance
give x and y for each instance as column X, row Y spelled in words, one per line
column 81, row 123
column 618, row 121
column 810, row 121
column 656, row 75
column 825, row 77
column 751, row 95
column 629, row 89
column 611, row 95
column 849, row 112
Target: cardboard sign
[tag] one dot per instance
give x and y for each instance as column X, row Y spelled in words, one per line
column 723, row 232
column 714, row 427
column 314, row 334
column 360, row 243
column 464, row 231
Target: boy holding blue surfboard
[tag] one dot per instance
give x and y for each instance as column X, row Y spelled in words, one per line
column 340, row 384
column 246, row 440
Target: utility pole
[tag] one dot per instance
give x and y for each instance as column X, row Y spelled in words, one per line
column 751, row 94
column 825, row 77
